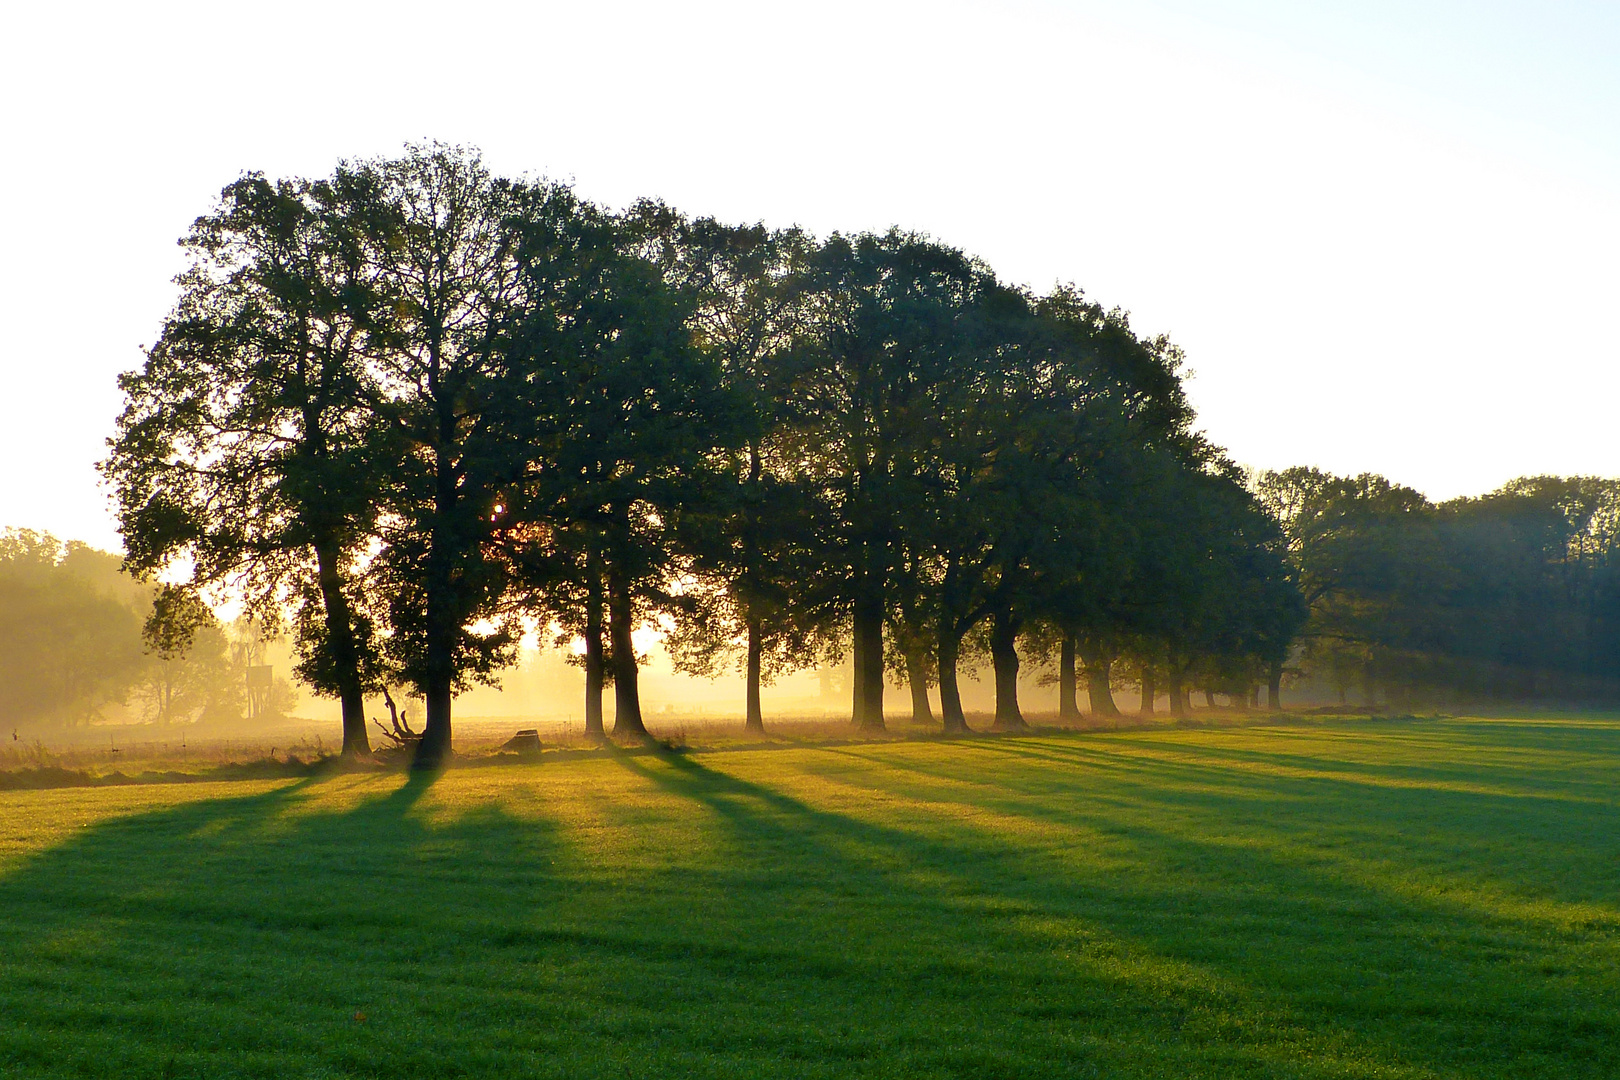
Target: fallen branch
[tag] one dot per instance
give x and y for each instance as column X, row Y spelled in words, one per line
column 399, row 724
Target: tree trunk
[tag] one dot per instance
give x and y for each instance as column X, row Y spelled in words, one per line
column 1274, row 687
column 756, row 718
column 345, row 659
column 443, row 618
column 857, row 678
column 1004, row 658
column 1098, row 678
column 1209, row 698
column 950, row 694
column 868, row 646
column 1149, row 692
column 1068, row 706
column 621, row 621
column 1178, row 696
column 595, row 668
column 917, row 679
column 439, row 682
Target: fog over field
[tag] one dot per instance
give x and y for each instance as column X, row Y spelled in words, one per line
column 544, row 686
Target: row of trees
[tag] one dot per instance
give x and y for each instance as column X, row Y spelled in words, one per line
column 414, row 408
column 73, row 650
column 1512, row 595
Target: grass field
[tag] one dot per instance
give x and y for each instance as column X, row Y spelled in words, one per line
column 1355, row 899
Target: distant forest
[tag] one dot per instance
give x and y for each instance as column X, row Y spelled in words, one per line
column 408, row 409
column 73, row 650
column 1513, row 596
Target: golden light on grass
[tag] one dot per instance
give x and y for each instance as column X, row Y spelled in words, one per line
column 1343, row 899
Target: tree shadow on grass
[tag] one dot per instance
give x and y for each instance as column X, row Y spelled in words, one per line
column 253, row 935
column 1338, row 955
column 1508, row 840
column 361, row 927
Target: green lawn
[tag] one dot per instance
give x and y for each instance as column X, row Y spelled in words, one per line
column 1394, row 898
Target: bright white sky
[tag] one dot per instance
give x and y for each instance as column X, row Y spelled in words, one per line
column 1385, row 232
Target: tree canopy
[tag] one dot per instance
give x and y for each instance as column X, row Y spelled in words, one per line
column 415, row 407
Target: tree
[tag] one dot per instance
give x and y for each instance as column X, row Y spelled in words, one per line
column 1370, row 565
column 440, row 246
column 885, row 324
column 751, row 547
column 71, row 627
column 190, row 675
column 1041, row 442
column 749, row 600
column 622, row 415
column 244, row 454
column 1095, row 586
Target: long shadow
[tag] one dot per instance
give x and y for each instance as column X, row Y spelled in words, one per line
column 250, row 935
column 1463, row 818
column 1378, row 940
column 1466, row 827
column 368, row 927
column 1191, row 759
column 1320, row 762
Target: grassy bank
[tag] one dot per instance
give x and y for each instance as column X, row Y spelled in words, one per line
column 1403, row 899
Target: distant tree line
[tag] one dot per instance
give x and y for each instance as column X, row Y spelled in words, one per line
column 412, row 408
column 73, row 650
column 1512, row 596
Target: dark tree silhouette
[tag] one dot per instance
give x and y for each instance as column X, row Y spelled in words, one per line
column 624, row 415
column 752, row 545
column 442, row 252
column 884, row 328
column 245, row 453
column 417, row 404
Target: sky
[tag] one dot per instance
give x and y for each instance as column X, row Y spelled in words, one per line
column 1384, row 233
